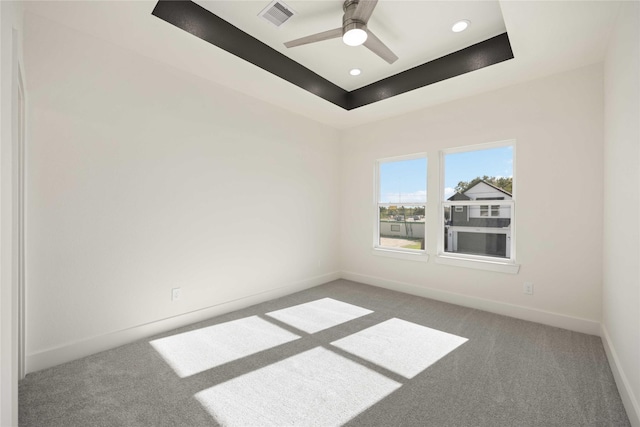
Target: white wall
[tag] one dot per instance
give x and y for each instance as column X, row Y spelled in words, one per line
column 142, row 178
column 558, row 125
column 134, row 166
column 10, row 56
column 621, row 286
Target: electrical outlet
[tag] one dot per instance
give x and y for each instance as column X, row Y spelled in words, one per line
column 176, row 293
column 527, row 288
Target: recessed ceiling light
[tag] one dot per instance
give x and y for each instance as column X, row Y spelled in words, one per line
column 355, row 71
column 460, row 26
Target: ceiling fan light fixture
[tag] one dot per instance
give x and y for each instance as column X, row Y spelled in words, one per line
column 354, row 34
column 460, row 26
column 354, row 31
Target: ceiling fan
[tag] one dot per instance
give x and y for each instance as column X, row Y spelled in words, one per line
column 354, row 31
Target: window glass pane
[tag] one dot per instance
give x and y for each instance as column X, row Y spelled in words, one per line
column 402, row 226
column 402, row 201
column 403, row 181
column 464, row 170
column 479, row 175
column 469, row 231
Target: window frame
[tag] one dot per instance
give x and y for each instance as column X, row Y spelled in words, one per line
column 403, row 253
column 484, row 262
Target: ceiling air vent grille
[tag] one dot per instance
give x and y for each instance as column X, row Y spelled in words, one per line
column 277, row 13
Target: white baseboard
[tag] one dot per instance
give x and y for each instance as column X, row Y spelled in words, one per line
column 525, row 313
column 75, row 350
column 85, row 347
column 631, row 404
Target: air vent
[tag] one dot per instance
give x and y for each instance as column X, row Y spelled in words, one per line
column 277, row 13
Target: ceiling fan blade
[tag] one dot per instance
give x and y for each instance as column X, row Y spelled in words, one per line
column 364, row 10
column 376, row 46
column 325, row 35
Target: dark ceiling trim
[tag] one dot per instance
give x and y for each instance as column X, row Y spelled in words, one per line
column 207, row 26
column 489, row 52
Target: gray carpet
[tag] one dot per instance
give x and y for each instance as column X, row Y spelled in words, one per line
column 465, row 367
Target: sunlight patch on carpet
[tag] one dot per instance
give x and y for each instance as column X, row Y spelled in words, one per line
column 314, row 388
column 195, row 351
column 318, row 315
column 400, row 346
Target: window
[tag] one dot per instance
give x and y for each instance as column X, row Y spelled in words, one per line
column 471, row 228
column 490, row 210
column 485, row 210
column 401, row 193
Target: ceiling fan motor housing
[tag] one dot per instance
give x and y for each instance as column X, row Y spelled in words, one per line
column 348, row 22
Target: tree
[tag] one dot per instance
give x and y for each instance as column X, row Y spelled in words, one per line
column 384, row 212
column 505, row 183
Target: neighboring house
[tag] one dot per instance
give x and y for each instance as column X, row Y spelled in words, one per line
column 398, row 227
column 480, row 229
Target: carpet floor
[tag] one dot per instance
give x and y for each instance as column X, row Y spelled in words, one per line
column 342, row 353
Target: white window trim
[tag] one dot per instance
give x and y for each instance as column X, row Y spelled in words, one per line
column 415, row 255
column 475, row 261
column 478, row 264
column 399, row 253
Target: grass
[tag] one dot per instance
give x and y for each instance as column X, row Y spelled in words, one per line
column 397, row 242
column 414, row 245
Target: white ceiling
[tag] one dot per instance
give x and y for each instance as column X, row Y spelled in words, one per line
column 416, row 31
column 547, row 37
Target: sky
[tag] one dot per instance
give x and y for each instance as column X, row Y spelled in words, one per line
column 405, row 181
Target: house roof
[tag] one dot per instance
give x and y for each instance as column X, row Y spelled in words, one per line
column 492, row 186
column 459, row 196
column 462, row 196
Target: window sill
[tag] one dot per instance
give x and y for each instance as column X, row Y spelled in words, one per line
column 501, row 267
column 410, row 256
